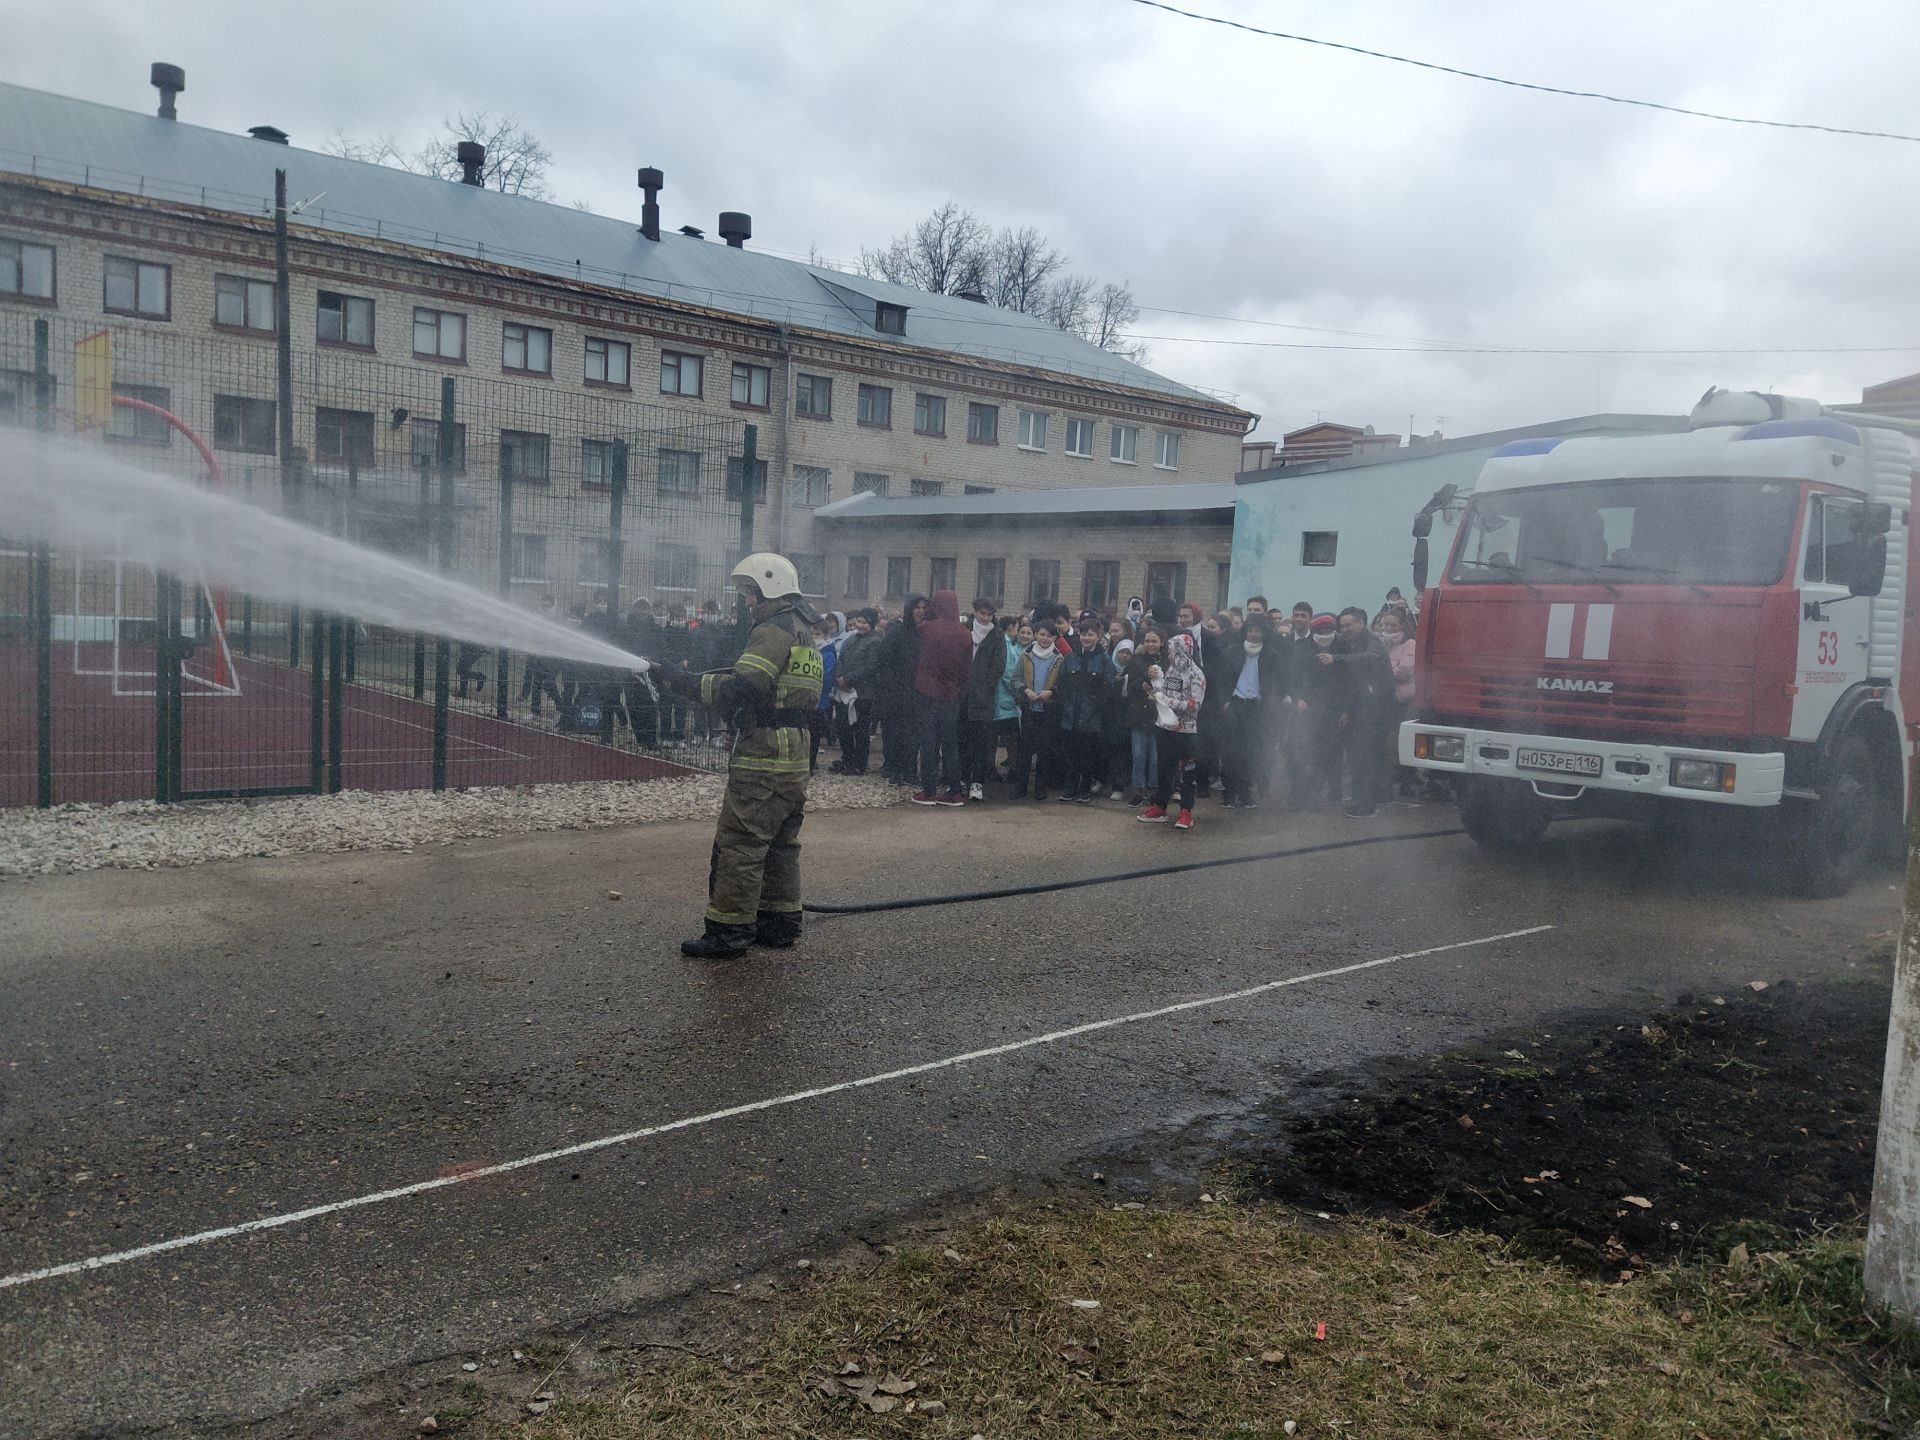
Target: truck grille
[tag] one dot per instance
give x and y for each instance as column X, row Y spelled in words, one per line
column 1507, row 695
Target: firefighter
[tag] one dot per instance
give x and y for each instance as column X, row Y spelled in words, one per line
column 753, row 882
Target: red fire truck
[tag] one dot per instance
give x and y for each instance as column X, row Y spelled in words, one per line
column 1720, row 617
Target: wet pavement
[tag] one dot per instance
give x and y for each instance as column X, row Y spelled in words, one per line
column 184, row 1053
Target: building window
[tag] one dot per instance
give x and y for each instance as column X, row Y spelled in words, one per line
column 16, row 396
column 596, row 463
column 899, row 576
column 1167, row 450
column 133, row 287
column 679, row 472
column 1043, row 581
column 1167, row 580
column 424, row 446
column 979, row 490
column 1033, row 429
column 680, row 374
column 857, row 577
column 343, row 437
column 876, row 406
column 1100, row 590
column 526, row 349
column 889, row 319
column 735, row 466
column 133, row 426
column 1222, row 572
column 523, row 456
column 813, row 573
column 1080, row 438
column 608, row 362
column 26, row 270
column 983, row 423
column 869, row 482
column 1319, row 547
column 945, row 574
column 243, row 304
column 930, row 415
column 990, row 580
column 529, row 561
column 343, row 320
column 243, row 424
column 1126, row 439
column 809, row 486
column 750, row 384
column 439, row 334
column 926, row 487
column 675, row 567
column 813, row 397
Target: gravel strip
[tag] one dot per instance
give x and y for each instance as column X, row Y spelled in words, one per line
column 140, row 835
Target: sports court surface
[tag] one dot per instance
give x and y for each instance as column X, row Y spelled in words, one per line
column 103, row 736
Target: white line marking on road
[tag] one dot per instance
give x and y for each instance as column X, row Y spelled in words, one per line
column 442, row 1182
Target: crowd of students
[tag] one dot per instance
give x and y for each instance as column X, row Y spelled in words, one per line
column 1150, row 708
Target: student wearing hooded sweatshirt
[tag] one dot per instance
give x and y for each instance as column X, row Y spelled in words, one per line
column 940, row 682
column 899, row 711
column 982, row 746
column 1039, row 716
column 1181, row 686
column 853, row 691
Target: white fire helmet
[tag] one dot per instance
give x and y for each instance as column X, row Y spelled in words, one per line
column 773, row 574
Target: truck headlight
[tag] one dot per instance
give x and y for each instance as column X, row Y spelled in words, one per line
column 1702, row 775
column 1450, row 749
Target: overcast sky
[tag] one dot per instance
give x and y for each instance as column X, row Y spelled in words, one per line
column 1216, row 171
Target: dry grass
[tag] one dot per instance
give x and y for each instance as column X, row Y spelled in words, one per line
column 1209, row 1324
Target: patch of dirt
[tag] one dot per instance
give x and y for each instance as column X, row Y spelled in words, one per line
column 1742, row 1117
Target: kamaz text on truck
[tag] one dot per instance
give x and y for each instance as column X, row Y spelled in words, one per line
column 1720, row 617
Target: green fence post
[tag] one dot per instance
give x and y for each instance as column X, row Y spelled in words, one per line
column 336, row 700
column 317, row 706
column 426, row 556
column 353, row 509
column 748, row 458
column 504, row 661
column 442, row 656
column 167, row 764
column 42, row 602
column 616, row 527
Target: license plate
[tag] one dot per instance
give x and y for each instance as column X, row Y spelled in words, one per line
column 1558, row 762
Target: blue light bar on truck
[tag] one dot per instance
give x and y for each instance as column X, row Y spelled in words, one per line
column 1526, row 447
column 1789, row 429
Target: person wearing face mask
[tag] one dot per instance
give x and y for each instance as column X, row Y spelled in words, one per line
column 853, row 685
column 1259, row 692
column 1038, row 759
column 980, row 747
column 1315, row 719
column 1180, row 686
column 1364, row 674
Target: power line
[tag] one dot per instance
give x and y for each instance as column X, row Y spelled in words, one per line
column 1451, row 349
column 1527, row 84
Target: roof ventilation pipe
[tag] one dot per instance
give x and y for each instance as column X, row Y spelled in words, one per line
column 272, row 134
column 169, row 80
column 736, row 228
column 652, row 182
column 472, row 156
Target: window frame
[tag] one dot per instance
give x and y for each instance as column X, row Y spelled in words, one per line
column 1132, row 435
column 860, row 487
column 160, row 433
column 800, row 484
column 809, row 391
column 20, row 293
column 749, row 372
column 248, row 405
column 872, row 398
column 975, row 410
column 347, row 433
column 609, row 347
column 924, row 403
column 996, row 592
column 905, row 573
column 345, row 342
column 736, row 479
column 1166, row 442
column 1109, row 571
column 1178, row 593
column 815, row 561
column 917, row 486
column 864, row 590
column 888, row 318
column 1077, row 425
column 1307, row 537
column 526, row 340
column 662, row 471
column 519, row 474
column 1037, row 592
column 222, row 288
column 603, row 450
column 1026, row 443
column 943, row 573
column 524, row 545
column 677, row 361
column 685, row 565
column 429, row 427
column 164, row 313
column 429, row 315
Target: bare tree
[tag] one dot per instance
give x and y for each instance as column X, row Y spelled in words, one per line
column 1110, row 314
column 1068, row 304
column 517, row 162
column 380, row 150
column 1021, row 265
column 945, row 253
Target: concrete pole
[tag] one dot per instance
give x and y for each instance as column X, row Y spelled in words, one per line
column 1893, row 1231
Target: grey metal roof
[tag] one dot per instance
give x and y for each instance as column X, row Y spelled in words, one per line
column 83, row 143
column 1098, row 500
column 1607, row 424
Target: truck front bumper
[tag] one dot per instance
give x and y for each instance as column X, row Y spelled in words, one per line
column 1562, row 769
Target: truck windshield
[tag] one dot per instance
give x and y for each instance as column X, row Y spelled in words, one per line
column 1629, row 532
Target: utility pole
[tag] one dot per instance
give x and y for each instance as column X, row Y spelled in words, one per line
column 283, row 373
column 748, row 463
column 1893, row 1229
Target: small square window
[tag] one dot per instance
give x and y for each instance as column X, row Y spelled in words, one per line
column 598, row 463
column 809, row 486
column 979, row 490
column 1080, row 438
column 927, row 487
column 1125, row 440
column 424, row 446
column 26, row 270
column 342, row 437
column 136, row 287
column 675, row 567
column 608, row 362
column 1043, row 581
column 523, row 456
column 526, row 350
column 1167, row 450
column 735, row 467
column 876, row 406
column 1100, row 589
column 343, row 320
column 813, row 397
column 439, row 334
column 134, row 426
column 529, row 557
column 1033, row 429
column 1319, row 547
column 857, row 566
column 983, row 423
column 240, row 423
column 899, row 576
column 929, row 415
column 1167, row 580
column 889, row 319
column 243, row 304
column 680, row 373
column 679, row 472
column 868, row 482
column 990, row 580
column 812, row 573
column 750, row 383
column 946, row 569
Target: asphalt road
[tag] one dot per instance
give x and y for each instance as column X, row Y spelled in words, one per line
column 182, row 1052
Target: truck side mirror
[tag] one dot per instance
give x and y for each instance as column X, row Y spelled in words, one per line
column 1870, row 572
column 1875, row 519
column 1423, row 525
column 1420, row 563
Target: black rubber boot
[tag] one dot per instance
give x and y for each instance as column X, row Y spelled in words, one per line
column 720, row 942
column 777, row 930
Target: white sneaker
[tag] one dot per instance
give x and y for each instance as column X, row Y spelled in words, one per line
column 974, row 792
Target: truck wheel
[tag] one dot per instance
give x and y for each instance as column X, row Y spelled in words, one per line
column 1502, row 814
column 1831, row 839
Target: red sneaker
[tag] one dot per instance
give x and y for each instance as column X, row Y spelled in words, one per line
column 925, row 797
column 1185, row 822
column 1153, row 815
column 952, row 797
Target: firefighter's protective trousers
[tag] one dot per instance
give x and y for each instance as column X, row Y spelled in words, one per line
column 773, row 688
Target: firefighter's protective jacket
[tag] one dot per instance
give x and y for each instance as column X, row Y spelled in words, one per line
column 771, row 693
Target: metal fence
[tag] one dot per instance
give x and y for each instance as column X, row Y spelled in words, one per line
column 117, row 683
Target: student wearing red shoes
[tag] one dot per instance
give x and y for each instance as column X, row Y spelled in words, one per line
column 1179, row 690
